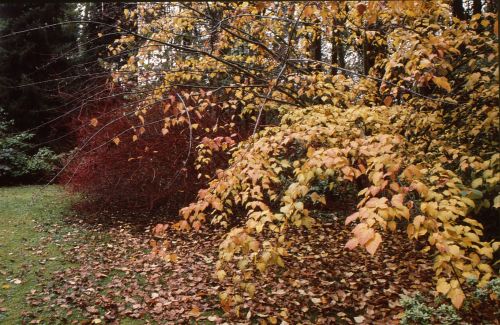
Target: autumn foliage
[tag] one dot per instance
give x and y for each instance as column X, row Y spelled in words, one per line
column 120, row 171
column 409, row 138
column 143, row 161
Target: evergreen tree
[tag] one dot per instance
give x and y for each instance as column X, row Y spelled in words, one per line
column 34, row 64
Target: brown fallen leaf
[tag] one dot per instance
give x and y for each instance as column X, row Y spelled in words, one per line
column 195, row 312
column 359, row 319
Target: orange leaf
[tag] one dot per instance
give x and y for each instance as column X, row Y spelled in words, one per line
column 116, row 140
column 94, row 122
column 308, row 11
column 388, row 100
column 361, row 8
column 442, row 82
column 195, row 311
column 172, row 257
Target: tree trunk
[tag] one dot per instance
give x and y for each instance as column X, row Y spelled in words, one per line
column 476, row 7
column 458, row 9
column 316, row 47
column 367, row 53
column 334, row 60
column 337, row 59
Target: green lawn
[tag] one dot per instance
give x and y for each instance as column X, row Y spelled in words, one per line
column 35, row 242
column 30, row 244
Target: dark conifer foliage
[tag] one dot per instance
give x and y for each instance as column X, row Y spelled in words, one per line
column 33, row 65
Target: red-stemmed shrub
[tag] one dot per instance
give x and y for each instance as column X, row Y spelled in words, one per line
column 124, row 164
column 137, row 160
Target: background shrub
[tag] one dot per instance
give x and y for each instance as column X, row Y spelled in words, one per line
column 19, row 160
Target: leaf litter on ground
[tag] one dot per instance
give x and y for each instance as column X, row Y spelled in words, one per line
column 116, row 277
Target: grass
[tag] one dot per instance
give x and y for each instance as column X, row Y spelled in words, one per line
column 28, row 218
column 34, row 243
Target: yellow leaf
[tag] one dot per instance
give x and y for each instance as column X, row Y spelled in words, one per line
column 310, row 152
column 477, row 182
column 94, row 122
column 221, row 274
column 373, row 244
column 164, row 131
column 250, row 289
column 457, row 297
column 472, row 79
column 279, row 261
column 116, row 140
column 495, row 246
column 254, row 245
column 496, row 202
column 485, row 268
column 261, row 266
column 486, row 251
column 397, row 200
column 454, row 250
column 299, row 206
column 134, row 138
column 141, row 118
column 469, row 202
column 418, row 220
column 392, row 225
column 442, row 82
column 259, row 227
